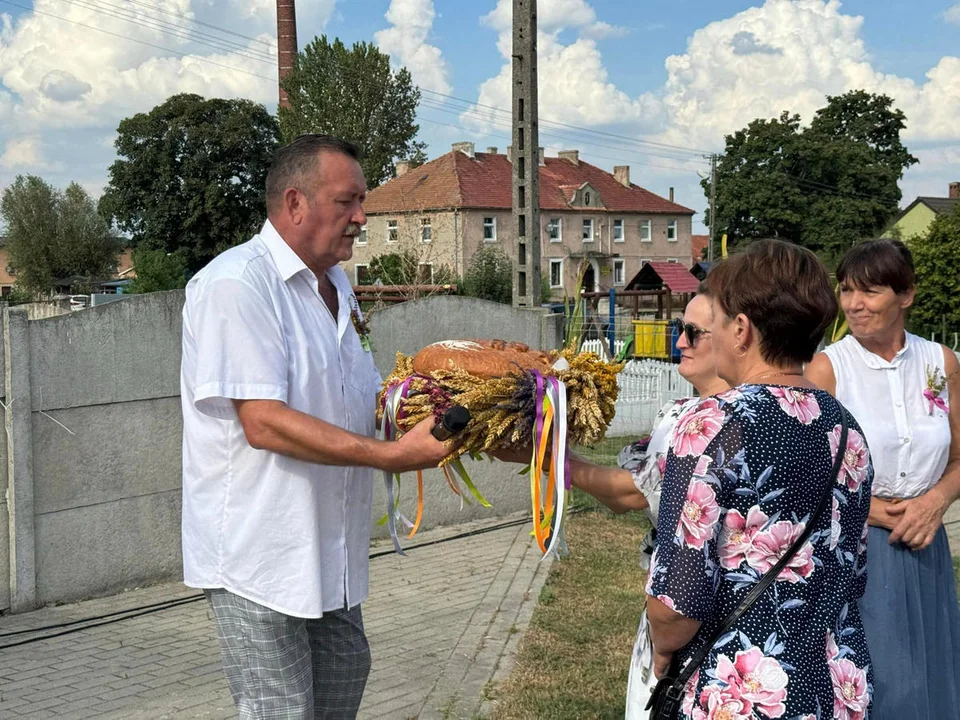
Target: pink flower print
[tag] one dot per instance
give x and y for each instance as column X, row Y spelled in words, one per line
column 796, row 403
column 662, row 464
column 690, row 694
column 756, row 678
column 699, row 515
column 737, row 534
column 834, row 524
column 703, row 464
column 770, row 545
column 863, row 540
column 850, row 696
column 667, row 601
column 697, row 428
column 723, row 704
column 832, row 650
column 856, row 458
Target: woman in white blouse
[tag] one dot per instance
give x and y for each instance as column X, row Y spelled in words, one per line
column 899, row 387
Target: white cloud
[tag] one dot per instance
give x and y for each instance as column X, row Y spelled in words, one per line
column 952, row 15
column 789, row 55
column 406, row 42
column 574, row 84
column 24, row 153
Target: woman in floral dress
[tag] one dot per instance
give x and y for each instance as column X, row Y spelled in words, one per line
column 745, row 471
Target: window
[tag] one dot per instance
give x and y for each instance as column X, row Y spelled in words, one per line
column 425, row 273
column 556, row 273
column 645, row 232
column 672, row 230
column 588, row 230
column 586, row 199
column 489, row 229
column 618, row 230
column 644, row 261
column 362, row 237
column 618, row 272
column 554, row 229
column 393, row 231
column 426, row 233
column 672, row 260
column 361, row 274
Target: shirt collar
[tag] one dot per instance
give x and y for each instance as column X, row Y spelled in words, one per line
column 287, row 261
column 876, row 362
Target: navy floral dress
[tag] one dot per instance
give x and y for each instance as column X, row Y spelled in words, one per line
column 745, row 471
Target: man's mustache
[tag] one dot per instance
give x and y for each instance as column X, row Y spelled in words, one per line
column 353, row 229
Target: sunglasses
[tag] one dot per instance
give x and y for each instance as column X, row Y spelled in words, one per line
column 690, row 331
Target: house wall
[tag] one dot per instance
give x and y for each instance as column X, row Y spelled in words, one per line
column 442, row 250
column 916, row 222
column 93, row 442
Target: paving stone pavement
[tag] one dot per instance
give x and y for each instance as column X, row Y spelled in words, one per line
column 442, row 622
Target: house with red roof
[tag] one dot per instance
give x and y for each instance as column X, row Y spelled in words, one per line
column 447, row 209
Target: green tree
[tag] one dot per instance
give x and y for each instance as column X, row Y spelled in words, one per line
column 53, row 234
column 157, row 270
column 826, row 186
column 352, row 93
column 489, row 276
column 937, row 257
column 190, row 175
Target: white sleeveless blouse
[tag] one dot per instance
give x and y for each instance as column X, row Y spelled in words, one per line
column 908, row 444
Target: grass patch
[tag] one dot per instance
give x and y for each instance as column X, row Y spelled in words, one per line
column 574, row 658
column 956, row 573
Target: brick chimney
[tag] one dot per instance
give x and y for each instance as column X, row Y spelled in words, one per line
column 492, row 150
column 572, row 156
column 541, row 158
column 465, row 147
column 954, row 191
column 671, row 194
column 509, row 153
column 403, row 167
column 621, row 173
column 286, row 43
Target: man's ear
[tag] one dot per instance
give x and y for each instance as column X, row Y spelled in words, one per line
column 294, row 205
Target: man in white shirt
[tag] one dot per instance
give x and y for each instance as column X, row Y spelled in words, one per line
column 279, row 396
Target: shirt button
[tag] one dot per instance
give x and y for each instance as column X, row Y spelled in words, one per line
column 899, row 404
column 906, row 440
column 903, row 474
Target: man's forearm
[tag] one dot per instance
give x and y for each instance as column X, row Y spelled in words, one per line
column 271, row 425
column 669, row 630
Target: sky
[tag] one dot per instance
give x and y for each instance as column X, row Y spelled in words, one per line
column 655, row 84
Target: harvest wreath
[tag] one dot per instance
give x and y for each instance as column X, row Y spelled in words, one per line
column 517, row 397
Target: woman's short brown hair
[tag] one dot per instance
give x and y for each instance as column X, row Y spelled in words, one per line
column 785, row 291
column 878, row 263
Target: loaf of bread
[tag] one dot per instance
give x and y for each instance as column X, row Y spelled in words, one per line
column 481, row 358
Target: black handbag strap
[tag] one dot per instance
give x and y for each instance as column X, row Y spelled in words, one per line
column 675, row 691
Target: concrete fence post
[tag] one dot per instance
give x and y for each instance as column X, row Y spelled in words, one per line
column 23, row 569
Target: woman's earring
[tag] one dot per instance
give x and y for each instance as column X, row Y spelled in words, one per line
column 742, row 349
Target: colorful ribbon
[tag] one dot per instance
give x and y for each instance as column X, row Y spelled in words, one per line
column 934, row 400
column 548, row 503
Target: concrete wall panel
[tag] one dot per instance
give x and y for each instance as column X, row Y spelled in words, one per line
column 117, row 451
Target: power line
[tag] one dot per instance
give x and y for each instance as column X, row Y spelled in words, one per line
column 198, row 58
column 120, row 13
column 200, row 22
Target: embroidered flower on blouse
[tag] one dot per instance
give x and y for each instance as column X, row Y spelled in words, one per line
column 936, row 384
column 360, row 324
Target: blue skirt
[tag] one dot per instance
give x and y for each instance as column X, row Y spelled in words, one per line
column 912, row 624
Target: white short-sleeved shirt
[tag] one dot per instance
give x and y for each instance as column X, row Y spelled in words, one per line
column 909, row 445
column 291, row 535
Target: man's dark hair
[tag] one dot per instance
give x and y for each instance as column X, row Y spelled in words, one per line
column 878, row 263
column 785, row 291
column 298, row 165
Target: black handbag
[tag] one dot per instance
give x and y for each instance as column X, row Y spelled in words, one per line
column 667, row 696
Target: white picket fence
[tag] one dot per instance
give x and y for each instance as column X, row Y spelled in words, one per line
column 645, row 386
column 600, row 348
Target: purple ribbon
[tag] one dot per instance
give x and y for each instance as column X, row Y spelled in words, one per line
column 539, row 405
column 566, row 450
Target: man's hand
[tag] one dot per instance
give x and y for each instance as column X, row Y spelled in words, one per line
column 418, row 449
column 919, row 519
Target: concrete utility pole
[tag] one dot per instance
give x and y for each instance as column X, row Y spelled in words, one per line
column 713, row 207
column 526, row 161
column 286, row 43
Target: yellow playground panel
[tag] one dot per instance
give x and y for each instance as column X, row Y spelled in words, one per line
column 652, row 339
